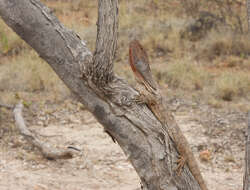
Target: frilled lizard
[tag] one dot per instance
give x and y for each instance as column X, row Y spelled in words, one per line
column 150, row 94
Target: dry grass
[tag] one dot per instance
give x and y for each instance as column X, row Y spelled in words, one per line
column 224, row 43
column 215, row 67
column 183, row 76
column 27, row 72
column 232, row 84
column 25, row 75
column 10, row 43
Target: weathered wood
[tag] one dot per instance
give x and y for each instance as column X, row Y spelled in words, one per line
column 47, row 150
column 246, row 181
column 106, row 42
column 133, row 126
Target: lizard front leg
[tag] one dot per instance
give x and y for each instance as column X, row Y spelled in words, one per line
column 180, row 164
column 143, row 97
column 140, row 99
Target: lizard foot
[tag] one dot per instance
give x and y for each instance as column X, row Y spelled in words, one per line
column 140, row 99
column 180, row 164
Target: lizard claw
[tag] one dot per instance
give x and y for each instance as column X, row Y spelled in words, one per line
column 140, row 99
column 180, row 164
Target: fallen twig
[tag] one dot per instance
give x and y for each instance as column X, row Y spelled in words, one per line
column 46, row 150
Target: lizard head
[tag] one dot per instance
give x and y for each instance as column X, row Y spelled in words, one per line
column 137, row 53
column 139, row 64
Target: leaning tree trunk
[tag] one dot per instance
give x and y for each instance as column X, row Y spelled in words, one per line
column 91, row 78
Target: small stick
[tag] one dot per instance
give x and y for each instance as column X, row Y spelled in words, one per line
column 47, row 151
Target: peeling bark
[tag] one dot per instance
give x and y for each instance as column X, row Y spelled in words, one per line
column 108, row 97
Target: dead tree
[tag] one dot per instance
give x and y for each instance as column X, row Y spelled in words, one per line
column 92, row 80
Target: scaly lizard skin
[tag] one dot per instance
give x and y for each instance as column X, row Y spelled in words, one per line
column 150, row 94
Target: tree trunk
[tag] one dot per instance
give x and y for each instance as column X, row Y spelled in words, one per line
column 91, row 78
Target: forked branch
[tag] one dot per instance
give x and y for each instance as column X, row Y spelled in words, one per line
column 133, row 126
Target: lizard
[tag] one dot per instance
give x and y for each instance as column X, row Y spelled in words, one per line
column 151, row 94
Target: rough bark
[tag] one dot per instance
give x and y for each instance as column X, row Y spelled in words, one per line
column 106, row 42
column 246, row 181
column 109, row 98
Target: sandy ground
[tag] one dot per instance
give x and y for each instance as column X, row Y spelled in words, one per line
column 101, row 163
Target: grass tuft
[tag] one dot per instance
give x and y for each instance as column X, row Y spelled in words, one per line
column 224, row 43
column 230, row 85
column 185, row 76
column 10, row 42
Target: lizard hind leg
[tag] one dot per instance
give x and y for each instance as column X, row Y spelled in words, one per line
column 180, row 164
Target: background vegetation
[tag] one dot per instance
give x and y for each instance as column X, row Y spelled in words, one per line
column 199, row 50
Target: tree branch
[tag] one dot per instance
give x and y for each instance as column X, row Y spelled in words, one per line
column 46, row 150
column 133, row 126
column 106, row 41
